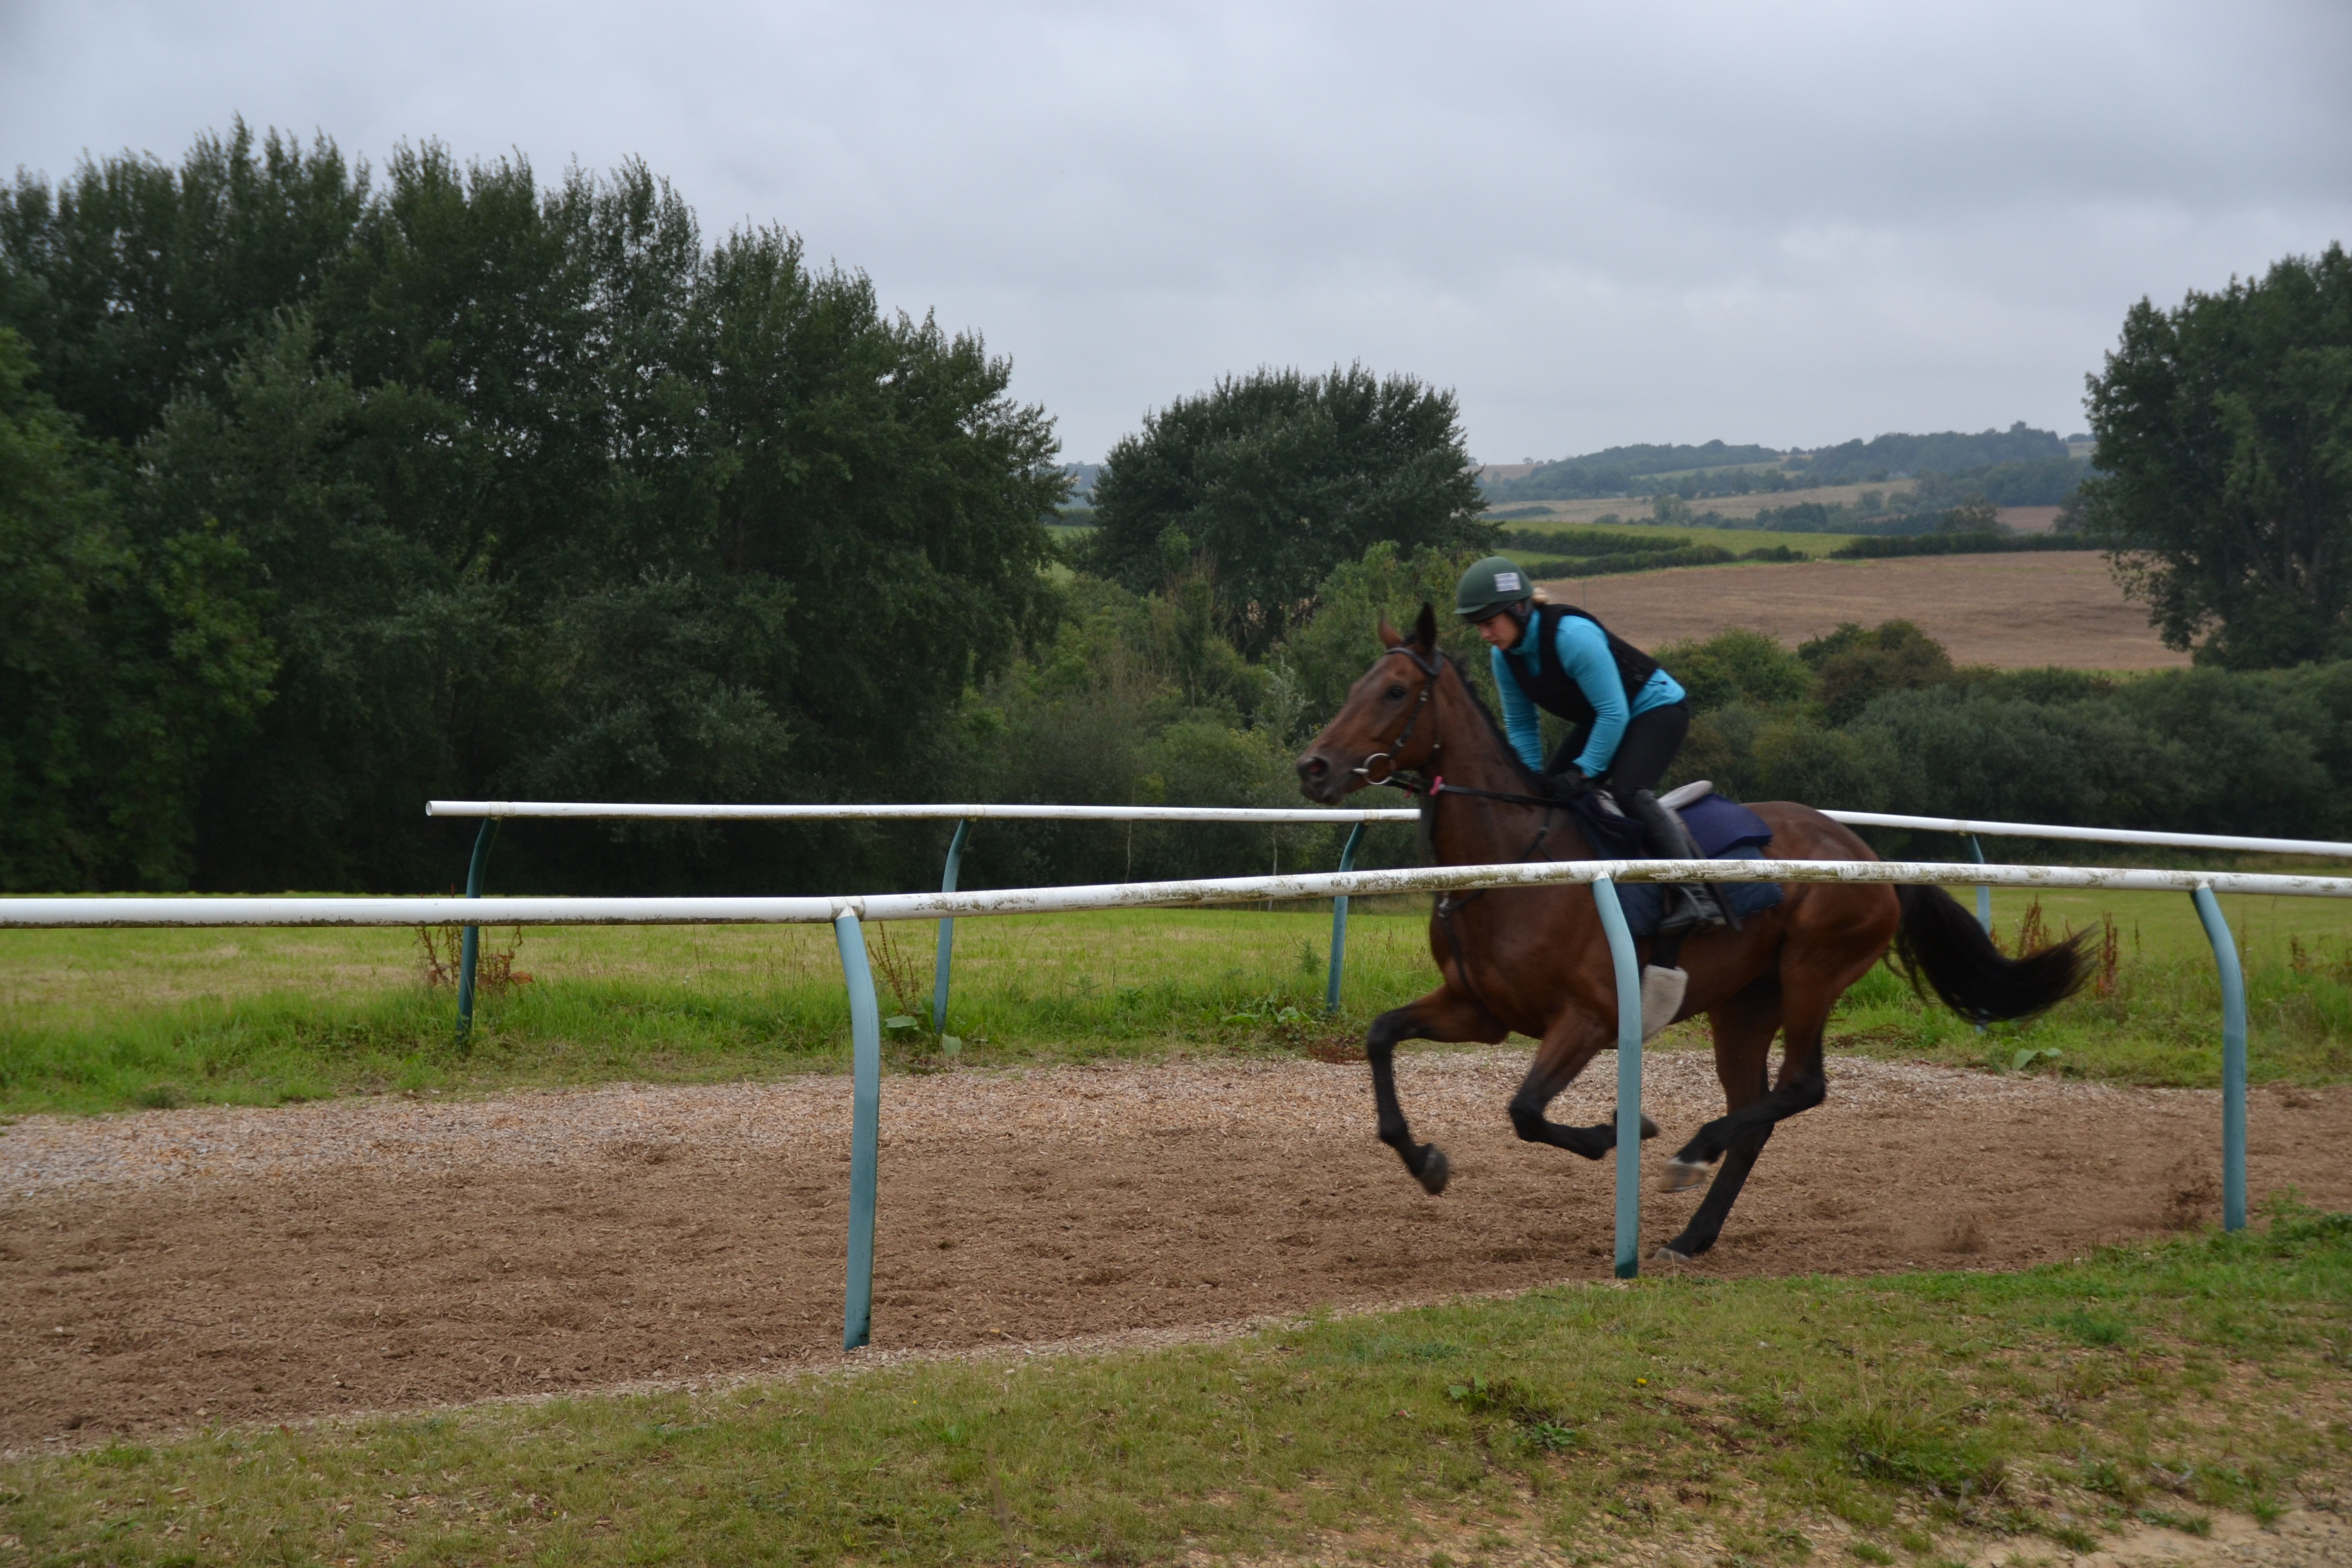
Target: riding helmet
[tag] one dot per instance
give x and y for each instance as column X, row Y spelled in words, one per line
column 1489, row 586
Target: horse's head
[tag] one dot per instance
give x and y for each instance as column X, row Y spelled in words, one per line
column 1385, row 726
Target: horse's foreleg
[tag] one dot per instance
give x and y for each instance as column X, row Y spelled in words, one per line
column 1443, row 1015
column 1572, row 1042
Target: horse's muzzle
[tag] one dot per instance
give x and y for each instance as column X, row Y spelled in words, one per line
column 1318, row 780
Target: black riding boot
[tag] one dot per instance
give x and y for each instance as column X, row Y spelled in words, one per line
column 1688, row 905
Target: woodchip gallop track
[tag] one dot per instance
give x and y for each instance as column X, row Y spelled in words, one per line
column 162, row 1271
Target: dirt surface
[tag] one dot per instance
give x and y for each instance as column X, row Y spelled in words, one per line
column 2016, row 612
column 166, row 1269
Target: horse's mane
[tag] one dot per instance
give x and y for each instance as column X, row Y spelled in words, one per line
column 1494, row 725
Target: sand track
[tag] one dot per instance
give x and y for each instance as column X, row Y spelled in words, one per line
column 162, row 1269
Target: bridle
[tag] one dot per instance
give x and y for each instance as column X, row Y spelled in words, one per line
column 1428, row 666
column 1434, row 784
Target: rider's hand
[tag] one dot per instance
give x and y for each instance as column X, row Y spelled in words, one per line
column 1566, row 784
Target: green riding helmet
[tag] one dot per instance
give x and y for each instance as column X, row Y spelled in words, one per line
column 1489, row 586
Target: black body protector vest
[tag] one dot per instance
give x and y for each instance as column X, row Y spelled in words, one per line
column 1552, row 688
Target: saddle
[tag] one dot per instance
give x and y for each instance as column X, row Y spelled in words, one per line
column 1723, row 830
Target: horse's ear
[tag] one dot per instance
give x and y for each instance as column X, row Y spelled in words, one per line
column 1390, row 636
column 1424, row 629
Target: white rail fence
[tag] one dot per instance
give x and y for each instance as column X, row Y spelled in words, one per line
column 493, row 812
column 847, row 913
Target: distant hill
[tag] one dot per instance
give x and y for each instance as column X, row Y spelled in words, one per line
column 1615, row 470
column 2020, row 459
column 1907, row 457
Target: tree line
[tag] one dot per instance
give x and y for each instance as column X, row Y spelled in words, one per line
column 326, row 489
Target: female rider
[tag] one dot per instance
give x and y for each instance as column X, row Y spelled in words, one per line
column 1629, row 716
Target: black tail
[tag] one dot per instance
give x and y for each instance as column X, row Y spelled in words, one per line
column 1942, row 942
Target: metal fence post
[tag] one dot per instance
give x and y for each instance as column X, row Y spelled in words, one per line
column 864, row 1127
column 1629, row 1077
column 471, row 946
column 946, row 933
column 1339, row 920
column 2233, row 1059
column 1984, row 894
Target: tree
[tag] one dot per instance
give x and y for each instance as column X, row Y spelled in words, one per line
column 123, row 662
column 528, row 492
column 2224, row 497
column 1276, row 479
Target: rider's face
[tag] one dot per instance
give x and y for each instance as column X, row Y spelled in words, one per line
column 1501, row 628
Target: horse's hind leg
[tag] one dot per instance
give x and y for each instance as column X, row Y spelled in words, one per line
column 1443, row 1015
column 1567, row 1046
column 1743, row 1026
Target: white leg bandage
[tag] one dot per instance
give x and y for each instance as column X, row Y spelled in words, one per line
column 1662, row 998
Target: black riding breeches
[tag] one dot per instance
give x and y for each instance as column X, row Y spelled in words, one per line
column 1645, row 752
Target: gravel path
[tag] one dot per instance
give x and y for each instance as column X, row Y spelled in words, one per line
column 169, row 1268
column 555, row 1128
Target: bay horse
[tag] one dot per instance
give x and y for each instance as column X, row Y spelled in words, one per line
column 1536, row 960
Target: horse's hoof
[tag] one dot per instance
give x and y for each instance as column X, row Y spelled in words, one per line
column 1434, row 1172
column 1682, row 1175
column 1668, row 1254
column 1649, row 1128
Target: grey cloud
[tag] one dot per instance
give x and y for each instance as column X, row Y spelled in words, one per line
column 1790, row 224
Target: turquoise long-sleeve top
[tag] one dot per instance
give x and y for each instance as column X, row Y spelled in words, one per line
column 1583, row 649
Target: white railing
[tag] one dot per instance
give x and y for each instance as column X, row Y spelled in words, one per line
column 1973, row 827
column 493, row 812
column 847, row 914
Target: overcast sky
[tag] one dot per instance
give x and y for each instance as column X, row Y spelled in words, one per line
column 1790, row 224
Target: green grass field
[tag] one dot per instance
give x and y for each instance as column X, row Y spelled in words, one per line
column 1736, row 539
column 1758, row 1422
column 111, row 1020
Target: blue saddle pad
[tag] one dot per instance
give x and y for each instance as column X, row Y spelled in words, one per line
column 1725, row 830
column 1722, row 826
column 1644, row 902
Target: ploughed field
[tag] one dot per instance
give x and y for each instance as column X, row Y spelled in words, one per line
column 171, row 1269
column 2023, row 611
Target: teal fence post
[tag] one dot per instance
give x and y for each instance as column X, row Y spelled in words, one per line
column 1339, row 920
column 471, row 949
column 1984, row 893
column 946, row 956
column 2233, row 1059
column 1629, row 1077
column 864, row 1127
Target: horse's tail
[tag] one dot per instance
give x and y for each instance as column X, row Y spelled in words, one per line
column 1942, row 943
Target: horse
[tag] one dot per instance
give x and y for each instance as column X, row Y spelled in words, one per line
column 1536, row 960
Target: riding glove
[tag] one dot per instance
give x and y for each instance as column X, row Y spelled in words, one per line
column 1565, row 784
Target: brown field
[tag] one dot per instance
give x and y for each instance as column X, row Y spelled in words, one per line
column 2013, row 612
column 166, row 1269
column 1636, row 509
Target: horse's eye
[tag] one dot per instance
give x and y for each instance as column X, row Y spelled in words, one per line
column 1396, row 693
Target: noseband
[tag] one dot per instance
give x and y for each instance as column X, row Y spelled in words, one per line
column 1428, row 667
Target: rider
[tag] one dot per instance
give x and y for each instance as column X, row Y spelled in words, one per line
column 1629, row 716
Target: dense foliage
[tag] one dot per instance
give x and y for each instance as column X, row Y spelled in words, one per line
column 1620, row 470
column 2225, row 431
column 1270, row 481
column 325, row 494
column 1947, row 451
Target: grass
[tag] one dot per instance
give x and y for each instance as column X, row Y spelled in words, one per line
column 1636, row 509
column 2154, row 1016
column 1736, row 539
column 97, row 1020
column 1889, row 1420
